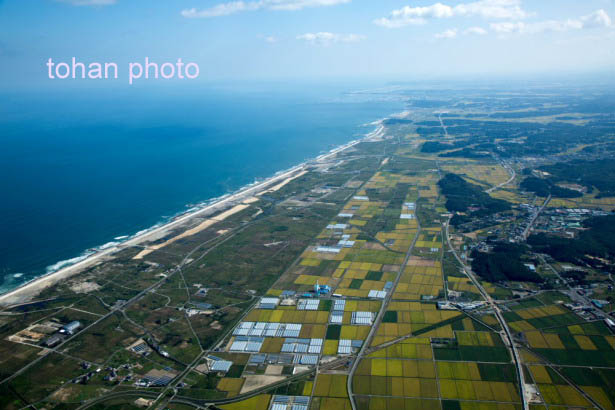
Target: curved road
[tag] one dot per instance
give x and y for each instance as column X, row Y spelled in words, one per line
column 496, row 309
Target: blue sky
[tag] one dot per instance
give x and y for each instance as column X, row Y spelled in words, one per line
column 268, row 39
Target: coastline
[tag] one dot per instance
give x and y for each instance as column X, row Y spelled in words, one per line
column 27, row 291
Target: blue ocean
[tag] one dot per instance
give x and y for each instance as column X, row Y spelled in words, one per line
column 84, row 167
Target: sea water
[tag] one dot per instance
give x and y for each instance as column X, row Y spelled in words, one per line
column 87, row 169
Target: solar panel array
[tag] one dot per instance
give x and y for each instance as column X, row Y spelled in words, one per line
column 140, row 348
column 308, row 304
column 247, row 344
column 221, row 365
column 267, row 329
column 158, row 381
column 293, row 345
column 362, row 318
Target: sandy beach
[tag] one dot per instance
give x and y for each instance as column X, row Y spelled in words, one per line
column 230, row 204
column 203, row 225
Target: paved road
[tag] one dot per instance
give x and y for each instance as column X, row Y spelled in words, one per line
column 442, row 124
column 526, row 231
column 379, row 317
column 496, row 309
column 512, row 173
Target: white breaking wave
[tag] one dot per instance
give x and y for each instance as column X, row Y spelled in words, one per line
column 379, row 131
column 108, row 245
column 67, row 262
column 400, row 114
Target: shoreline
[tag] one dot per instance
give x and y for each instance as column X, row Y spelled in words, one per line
column 27, row 291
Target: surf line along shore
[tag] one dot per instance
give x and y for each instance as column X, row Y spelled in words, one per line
column 29, row 290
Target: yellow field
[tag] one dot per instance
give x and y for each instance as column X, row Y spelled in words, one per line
column 312, row 279
column 260, row 402
column 598, row 394
column 458, row 370
column 521, row 326
column 585, row 342
column 461, row 284
column 408, row 321
column 538, row 312
column 310, row 262
column 563, row 395
column 230, row 385
column 333, row 403
column 331, row 385
column 539, row 340
column 586, row 201
column 474, row 338
column 287, row 316
column 419, row 279
column 540, row 374
column 485, row 175
column 413, row 348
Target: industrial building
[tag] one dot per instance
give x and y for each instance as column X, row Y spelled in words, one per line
column 71, row 328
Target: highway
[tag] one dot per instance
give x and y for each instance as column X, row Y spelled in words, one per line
column 512, row 173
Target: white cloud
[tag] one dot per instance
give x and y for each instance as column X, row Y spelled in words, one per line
column 475, row 30
column 491, row 9
column 89, row 2
column 300, row 4
column 224, row 9
column 271, row 39
column 454, row 33
column 326, row 38
column 450, row 33
column 596, row 19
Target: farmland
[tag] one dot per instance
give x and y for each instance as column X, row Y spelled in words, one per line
column 349, row 287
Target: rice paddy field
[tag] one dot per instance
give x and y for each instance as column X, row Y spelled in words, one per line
column 330, row 392
column 463, row 369
column 483, row 175
column 586, row 201
column 511, row 195
column 419, row 356
column 361, row 251
column 570, row 361
column 403, row 318
column 420, row 278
